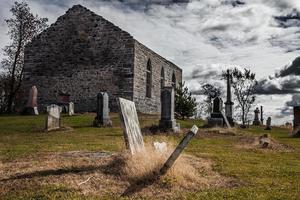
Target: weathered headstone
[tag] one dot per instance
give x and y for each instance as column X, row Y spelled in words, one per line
column 256, row 121
column 216, row 118
column 102, row 118
column 53, row 117
column 131, row 127
column 268, row 124
column 264, row 141
column 71, row 109
column 184, row 142
column 31, row 106
column 167, row 119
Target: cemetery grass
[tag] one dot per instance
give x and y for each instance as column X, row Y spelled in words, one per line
column 255, row 173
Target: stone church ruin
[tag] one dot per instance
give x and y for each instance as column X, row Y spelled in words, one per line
column 82, row 54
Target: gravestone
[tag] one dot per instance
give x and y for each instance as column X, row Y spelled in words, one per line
column 131, row 127
column 53, row 118
column 268, row 124
column 296, row 121
column 226, row 120
column 71, row 109
column 180, row 147
column 261, row 115
column 31, row 106
column 264, row 141
column 229, row 104
column 256, row 121
column 216, row 118
column 102, row 119
column 167, row 119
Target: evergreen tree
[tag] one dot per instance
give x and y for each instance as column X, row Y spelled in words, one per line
column 185, row 104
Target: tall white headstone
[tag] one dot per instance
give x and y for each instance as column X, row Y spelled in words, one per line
column 131, row 127
column 53, row 118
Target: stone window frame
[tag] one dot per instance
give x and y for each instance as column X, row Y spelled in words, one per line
column 162, row 78
column 149, row 79
column 174, row 80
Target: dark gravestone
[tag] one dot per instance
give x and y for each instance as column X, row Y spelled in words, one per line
column 216, row 117
column 256, row 120
column 296, row 121
column 268, row 124
column 261, row 115
column 102, row 119
column 167, row 119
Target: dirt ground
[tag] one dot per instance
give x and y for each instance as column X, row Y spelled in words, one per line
column 103, row 173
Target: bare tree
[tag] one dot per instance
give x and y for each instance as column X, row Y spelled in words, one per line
column 23, row 26
column 243, row 83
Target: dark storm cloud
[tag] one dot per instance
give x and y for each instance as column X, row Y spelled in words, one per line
column 291, row 19
column 286, row 81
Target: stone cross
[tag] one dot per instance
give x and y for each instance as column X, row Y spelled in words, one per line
column 184, row 142
column 31, row 106
column 167, row 119
column 71, row 109
column 131, row 127
column 102, row 118
column 268, row 124
column 53, row 118
column 256, row 117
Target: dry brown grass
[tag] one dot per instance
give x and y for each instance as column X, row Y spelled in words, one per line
column 90, row 173
column 252, row 142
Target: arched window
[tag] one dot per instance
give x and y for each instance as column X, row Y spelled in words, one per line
column 174, row 81
column 162, row 78
column 148, row 79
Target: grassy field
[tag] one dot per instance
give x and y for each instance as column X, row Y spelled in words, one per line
column 259, row 174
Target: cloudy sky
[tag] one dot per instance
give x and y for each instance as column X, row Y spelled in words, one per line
column 204, row 37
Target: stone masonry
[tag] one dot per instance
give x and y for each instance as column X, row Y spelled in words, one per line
column 82, row 54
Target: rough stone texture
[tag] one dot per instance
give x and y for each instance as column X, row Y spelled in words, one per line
column 82, row 54
column 131, row 126
column 141, row 57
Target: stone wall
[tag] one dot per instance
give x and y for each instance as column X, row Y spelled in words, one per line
column 141, row 56
column 81, row 54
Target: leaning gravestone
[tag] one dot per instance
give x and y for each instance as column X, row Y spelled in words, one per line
column 131, row 127
column 167, row 119
column 268, row 124
column 102, row 118
column 53, row 118
column 31, row 106
column 180, row 147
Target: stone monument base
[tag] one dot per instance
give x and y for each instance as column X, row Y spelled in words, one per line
column 256, row 123
column 167, row 124
column 104, row 123
column 30, row 111
column 215, row 122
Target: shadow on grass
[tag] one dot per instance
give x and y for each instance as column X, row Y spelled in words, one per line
column 53, row 172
